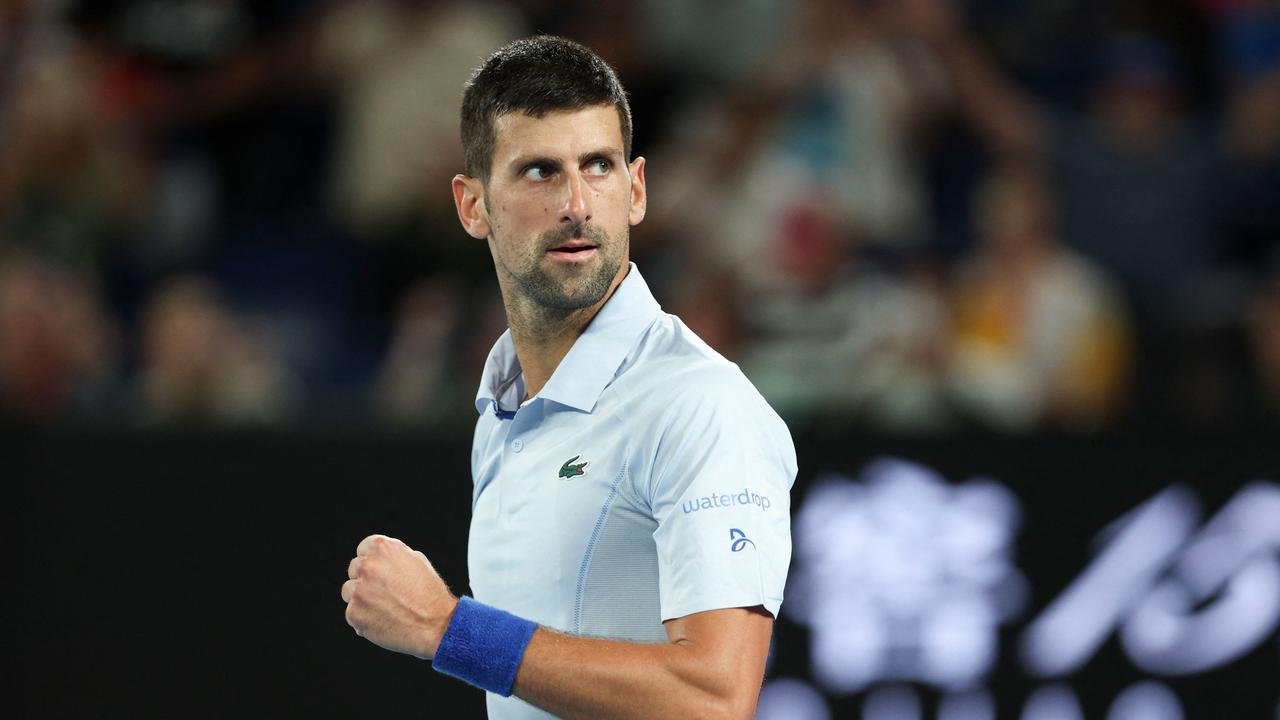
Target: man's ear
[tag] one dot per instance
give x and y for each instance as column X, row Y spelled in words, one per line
column 468, row 197
column 639, row 196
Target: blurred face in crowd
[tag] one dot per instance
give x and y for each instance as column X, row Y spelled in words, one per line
column 557, row 207
column 1138, row 113
column 1015, row 216
column 1254, row 116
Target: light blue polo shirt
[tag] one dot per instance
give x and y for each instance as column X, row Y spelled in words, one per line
column 648, row 480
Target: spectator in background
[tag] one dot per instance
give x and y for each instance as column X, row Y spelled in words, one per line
column 1134, row 173
column 56, row 343
column 396, row 65
column 1239, row 354
column 416, row 384
column 70, row 185
column 1040, row 336
column 444, row 330
column 1249, row 182
column 201, row 363
column 848, row 338
column 709, row 303
column 71, row 180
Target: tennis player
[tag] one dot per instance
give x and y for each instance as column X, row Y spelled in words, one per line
column 630, row 531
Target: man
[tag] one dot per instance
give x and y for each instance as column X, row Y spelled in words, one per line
column 630, row 533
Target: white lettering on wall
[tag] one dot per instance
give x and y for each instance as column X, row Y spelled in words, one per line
column 1222, row 598
column 1141, row 544
column 1146, row 701
column 904, row 577
column 1184, row 603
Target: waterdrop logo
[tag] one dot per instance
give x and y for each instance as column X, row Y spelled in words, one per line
column 715, row 501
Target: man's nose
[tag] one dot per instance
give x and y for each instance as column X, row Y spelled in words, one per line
column 576, row 210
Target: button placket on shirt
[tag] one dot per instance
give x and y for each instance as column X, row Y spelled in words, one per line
column 517, row 492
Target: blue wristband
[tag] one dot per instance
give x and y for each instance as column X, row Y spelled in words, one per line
column 483, row 646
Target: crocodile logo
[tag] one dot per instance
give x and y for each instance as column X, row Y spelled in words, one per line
column 569, row 471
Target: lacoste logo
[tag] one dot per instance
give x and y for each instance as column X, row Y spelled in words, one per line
column 570, row 471
column 740, row 540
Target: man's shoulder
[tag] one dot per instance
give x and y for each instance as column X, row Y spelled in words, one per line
column 672, row 355
column 673, row 368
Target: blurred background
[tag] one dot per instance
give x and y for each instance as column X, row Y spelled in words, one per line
column 1038, row 241
column 911, row 216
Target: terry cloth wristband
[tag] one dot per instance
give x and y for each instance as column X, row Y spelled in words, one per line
column 483, row 646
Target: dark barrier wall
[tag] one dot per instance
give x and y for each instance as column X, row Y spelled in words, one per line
column 195, row 574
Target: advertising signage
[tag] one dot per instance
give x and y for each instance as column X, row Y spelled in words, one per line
column 915, row 595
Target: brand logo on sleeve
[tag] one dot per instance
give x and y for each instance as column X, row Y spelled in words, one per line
column 723, row 500
column 739, row 540
column 570, row 471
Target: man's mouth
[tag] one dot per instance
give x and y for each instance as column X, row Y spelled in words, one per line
column 572, row 249
column 574, row 245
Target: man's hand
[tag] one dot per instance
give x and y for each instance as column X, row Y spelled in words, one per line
column 395, row 599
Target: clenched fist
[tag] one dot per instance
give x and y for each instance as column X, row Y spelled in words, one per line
column 395, row 599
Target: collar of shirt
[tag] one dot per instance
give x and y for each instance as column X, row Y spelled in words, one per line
column 589, row 366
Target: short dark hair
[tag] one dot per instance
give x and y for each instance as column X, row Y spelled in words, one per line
column 535, row 75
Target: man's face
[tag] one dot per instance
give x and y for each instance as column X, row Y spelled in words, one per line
column 558, row 206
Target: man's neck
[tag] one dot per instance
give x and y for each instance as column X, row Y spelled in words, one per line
column 541, row 343
column 542, row 339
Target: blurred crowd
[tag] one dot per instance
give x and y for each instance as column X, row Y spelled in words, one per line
column 907, row 215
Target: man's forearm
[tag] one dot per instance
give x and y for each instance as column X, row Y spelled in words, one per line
column 577, row 677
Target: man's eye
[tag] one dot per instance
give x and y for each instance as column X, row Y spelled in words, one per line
column 599, row 167
column 537, row 172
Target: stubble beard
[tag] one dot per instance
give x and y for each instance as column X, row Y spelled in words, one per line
column 553, row 298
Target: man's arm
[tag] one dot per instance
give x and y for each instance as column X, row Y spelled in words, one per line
column 711, row 668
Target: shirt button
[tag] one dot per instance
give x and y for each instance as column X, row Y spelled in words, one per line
column 517, row 445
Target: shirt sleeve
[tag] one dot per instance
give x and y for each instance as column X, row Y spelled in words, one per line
column 720, row 492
